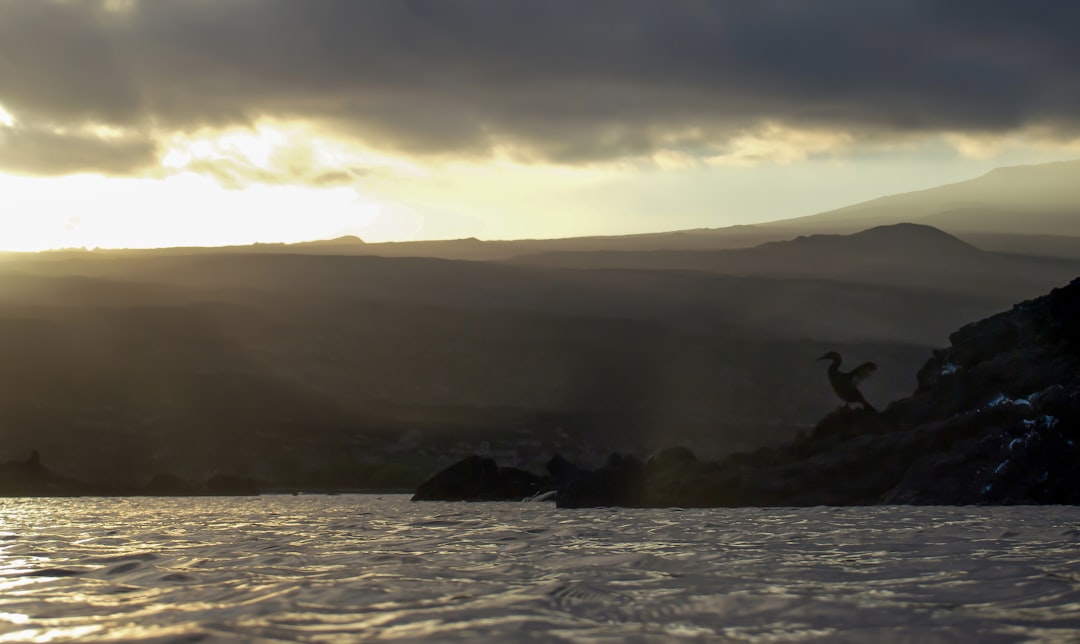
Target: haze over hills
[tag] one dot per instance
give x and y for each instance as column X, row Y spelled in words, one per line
column 1021, row 200
column 294, row 368
column 294, row 363
column 1033, row 209
column 909, row 255
column 1028, row 210
column 479, row 250
column 735, row 286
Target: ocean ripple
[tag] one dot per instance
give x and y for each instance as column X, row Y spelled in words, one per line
column 314, row 569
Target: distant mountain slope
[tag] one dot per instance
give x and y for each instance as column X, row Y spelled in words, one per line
column 904, row 242
column 908, row 255
column 760, row 288
column 679, row 240
column 1062, row 246
column 470, row 248
column 293, row 380
column 1023, row 200
column 1022, row 209
column 294, row 366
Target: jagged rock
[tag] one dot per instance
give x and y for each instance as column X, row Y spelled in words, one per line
column 995, row 419
column 562, row 470
column 619, row 482
column 1007, row 453
column 477, row 478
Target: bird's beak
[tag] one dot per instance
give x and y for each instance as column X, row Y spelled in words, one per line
column 823, row 358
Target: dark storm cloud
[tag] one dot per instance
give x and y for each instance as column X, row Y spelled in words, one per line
column 563, row 80
column 48, row 153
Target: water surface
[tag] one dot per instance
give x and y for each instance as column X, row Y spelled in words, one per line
column 314, row 568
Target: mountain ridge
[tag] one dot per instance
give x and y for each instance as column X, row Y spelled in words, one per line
column 1030, row 199
column 885, row 238
column 1023, row 209
column 906, row 254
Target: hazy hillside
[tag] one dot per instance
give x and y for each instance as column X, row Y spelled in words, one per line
column 298, row 367
column 1022, row 200
column 1028, row 210
column 349, row 364
column 1060, row 246
column 813, row 287
column 904, row 255
column 680, row 240
column 1033, row 209
column 274, row 381
column 476, row 249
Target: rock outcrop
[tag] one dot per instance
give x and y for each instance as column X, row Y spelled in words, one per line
column 995, row 420
column 477, row 478
column 32, row 478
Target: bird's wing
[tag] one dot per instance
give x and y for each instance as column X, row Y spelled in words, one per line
column 859, row 373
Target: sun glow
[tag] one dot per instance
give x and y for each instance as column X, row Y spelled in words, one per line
column 277, row 152
column 186, row 209
column 287, row 181
column 264, row 184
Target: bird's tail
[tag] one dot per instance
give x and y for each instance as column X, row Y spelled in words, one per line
column 868, row 406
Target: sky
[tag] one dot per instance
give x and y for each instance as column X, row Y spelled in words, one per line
column 202, row 122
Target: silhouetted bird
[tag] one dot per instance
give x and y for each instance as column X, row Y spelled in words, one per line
column 843, row 382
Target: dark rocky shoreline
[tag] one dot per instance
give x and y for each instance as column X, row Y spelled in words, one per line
column 995, row 419
column 31, row 477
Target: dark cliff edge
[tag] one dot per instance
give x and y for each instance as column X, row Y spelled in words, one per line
column 995, row 419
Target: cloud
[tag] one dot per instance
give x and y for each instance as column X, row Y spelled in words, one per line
column 51, row 152
column 270, row 154
column 236, row 174
column 559, row 81
column 774, row 143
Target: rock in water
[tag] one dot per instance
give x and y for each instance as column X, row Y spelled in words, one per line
column 618, row 482
column 477, row 478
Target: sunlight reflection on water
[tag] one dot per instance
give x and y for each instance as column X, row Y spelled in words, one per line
column 357, row 567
